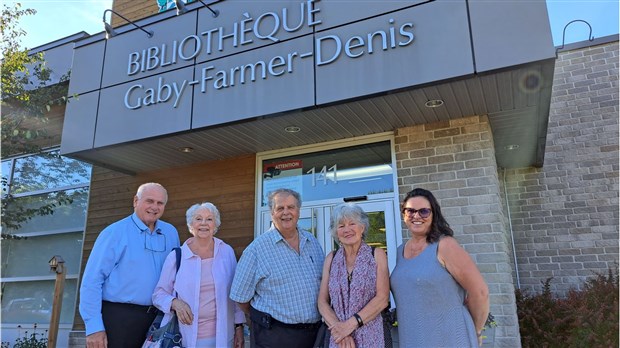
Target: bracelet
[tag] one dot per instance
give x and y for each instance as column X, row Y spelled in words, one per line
column 357, row 317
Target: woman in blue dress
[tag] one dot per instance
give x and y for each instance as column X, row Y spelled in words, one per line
column 441, row 298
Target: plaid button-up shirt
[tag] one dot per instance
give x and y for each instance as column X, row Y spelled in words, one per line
column 275, row 279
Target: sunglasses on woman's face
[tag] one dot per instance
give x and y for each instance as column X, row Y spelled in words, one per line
column 423, row 213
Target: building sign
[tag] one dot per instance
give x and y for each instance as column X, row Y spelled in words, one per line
column 256, row 59
column 266, row 26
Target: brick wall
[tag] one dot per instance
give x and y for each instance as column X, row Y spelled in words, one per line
column 565, row 214
column 456, row 161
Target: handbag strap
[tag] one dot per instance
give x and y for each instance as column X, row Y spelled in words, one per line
column 178, row 252
column 178, row 255
column 386, row 311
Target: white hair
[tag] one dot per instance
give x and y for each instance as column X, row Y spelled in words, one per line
column 191, row 212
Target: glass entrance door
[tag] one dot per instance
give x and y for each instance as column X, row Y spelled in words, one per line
column 383, row 228
column 382, row 233
column 310, row 219
column 362, row 170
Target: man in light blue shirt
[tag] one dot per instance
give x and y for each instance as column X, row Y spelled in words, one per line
column 122, row 271
column 278, row 278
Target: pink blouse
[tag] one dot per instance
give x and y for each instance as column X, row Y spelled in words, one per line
column 206, row 311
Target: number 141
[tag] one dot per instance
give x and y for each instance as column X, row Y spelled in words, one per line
column 324, row 175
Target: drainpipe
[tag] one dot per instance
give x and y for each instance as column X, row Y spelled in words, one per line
column 512, row 236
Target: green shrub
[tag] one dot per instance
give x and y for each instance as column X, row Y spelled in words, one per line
column 31, row 340
column 586, row 318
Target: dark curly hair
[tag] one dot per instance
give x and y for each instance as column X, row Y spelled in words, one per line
column 439, row 225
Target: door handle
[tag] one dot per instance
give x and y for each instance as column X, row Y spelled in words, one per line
column 355, row 198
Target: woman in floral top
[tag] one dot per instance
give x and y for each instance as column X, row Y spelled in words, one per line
column 355, row 284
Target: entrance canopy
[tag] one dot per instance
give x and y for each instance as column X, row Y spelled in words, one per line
column 243, row 82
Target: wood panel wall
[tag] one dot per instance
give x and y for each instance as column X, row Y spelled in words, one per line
column 229, row 184
column 133, row 10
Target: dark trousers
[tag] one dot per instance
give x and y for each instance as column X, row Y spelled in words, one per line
column 267, row 332
column 126, row 324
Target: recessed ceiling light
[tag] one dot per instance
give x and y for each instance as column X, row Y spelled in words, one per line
column 186, row 149
column 511, row 147
column 435, row 103
column 292, row 129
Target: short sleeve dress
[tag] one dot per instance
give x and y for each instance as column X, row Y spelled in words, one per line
column 430, row 303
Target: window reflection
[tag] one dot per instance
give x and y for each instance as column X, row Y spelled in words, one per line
column 48, row 171
column 308, row 224
column 376, row 232
column 31, row 302
column 69, row 211
column 6, row 172
column 352, row 171
column 47, row 208
column 29, row 256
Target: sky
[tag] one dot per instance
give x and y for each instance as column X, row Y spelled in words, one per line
column 56, row 19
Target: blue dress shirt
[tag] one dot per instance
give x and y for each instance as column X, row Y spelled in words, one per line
column 124, row 266
column 279, row 281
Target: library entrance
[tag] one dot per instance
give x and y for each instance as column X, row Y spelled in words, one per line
column 359, row 173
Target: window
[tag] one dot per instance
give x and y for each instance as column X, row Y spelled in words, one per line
column 44, row 212
column 343, row 172
column 31, row 302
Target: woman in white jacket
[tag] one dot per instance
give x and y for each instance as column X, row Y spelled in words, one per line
column 198, row 293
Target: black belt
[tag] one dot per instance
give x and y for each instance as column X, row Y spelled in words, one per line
column 266, row 320
column 147, row 309
column 301, row 326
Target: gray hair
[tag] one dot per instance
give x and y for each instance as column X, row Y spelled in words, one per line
column 348, row 211
column 191, row 212
column 272, row 196
column 150, row 185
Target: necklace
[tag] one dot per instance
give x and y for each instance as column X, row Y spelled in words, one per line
column 350, row 264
